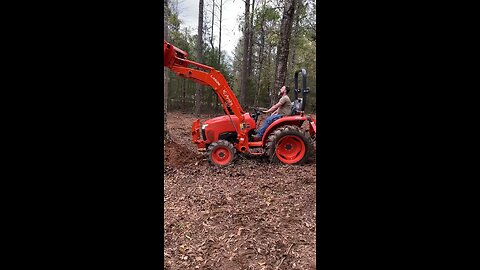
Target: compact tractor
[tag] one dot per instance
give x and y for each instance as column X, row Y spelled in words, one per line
column 222, row 137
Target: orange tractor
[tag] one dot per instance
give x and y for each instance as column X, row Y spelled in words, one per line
column 222, row 137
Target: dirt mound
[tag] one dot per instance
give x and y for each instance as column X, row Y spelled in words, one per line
column 177, row 155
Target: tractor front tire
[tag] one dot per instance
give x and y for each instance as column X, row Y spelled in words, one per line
column 289, row 145
column 221, row 153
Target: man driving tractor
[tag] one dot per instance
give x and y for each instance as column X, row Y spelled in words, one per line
column 282, row 108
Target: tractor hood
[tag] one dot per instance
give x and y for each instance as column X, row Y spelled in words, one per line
column 225, row 119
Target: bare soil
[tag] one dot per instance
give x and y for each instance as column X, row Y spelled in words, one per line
column 248, row 215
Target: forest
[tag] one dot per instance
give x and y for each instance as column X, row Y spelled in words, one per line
column 278, row 36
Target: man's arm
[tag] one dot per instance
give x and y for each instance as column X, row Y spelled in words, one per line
column 276, row 106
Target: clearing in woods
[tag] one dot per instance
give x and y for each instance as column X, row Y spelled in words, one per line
column 249, row 215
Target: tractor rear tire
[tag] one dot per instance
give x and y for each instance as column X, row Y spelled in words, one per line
column 221, row 153
column 289, row 145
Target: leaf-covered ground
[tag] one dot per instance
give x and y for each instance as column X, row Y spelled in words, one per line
column 248, row 215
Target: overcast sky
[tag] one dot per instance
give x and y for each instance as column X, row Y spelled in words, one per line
column 188, row 14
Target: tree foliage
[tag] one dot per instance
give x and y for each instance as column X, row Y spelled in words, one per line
column 265, row 33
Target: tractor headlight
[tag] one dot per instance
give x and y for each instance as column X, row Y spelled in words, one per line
column 204, row 137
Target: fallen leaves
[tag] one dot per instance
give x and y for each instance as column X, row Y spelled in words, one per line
column 249, row 212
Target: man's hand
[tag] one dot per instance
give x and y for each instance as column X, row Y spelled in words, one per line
column 265, row 111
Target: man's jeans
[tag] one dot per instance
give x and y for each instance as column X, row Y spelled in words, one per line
column 267, row 123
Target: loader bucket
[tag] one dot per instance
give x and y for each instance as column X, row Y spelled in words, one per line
column 196, row 131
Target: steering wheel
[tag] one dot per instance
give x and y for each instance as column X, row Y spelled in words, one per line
column 257, row 112
column 260, row 110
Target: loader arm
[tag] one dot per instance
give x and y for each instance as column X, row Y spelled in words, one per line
column 176, row 60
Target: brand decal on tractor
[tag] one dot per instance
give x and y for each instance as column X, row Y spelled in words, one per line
column 215, row 80
column 227, row 98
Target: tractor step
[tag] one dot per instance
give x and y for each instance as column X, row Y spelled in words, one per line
column 255, row 144
column 256, row 151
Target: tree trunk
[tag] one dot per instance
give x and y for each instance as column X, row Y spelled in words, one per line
column 244, row 74
column 283, row 48
column 217, row 105
column 184, row 94
column 250, row 40
column 199, row 56
column 209, row 96
column 220, row 35
column 212, row 93
column 250, row 50
column 213, row 20
column 260, row 55
column 269, row 81
column 294, row 41
column 166, row 133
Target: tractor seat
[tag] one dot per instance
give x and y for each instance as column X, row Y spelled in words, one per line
column 296, row 107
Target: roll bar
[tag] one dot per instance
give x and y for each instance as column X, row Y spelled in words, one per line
column 305, row 90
